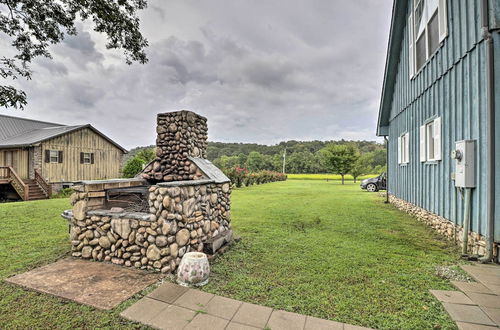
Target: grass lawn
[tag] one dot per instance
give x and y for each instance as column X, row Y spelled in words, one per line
column 335, row 252
column 325, row 177
column 312, row 247
column 33, row 234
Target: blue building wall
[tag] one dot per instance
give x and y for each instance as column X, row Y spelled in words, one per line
column 452, row 85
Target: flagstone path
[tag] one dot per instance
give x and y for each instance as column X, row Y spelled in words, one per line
column 174, row 307
column 477, row 305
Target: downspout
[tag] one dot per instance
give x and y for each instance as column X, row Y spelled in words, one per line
column 386, row 169
column 490, row 122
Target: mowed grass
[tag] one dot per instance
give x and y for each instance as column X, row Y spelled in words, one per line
column 325, row 177
column 311, row 247
column 33, row 234
column 334, row 252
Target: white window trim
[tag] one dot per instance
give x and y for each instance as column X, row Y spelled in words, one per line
column 56, row 156
column 404, row 149
column 424, row 140
column 442, row 9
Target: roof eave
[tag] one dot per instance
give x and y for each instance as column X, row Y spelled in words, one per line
column 76, row 128
column 399, row 9
column 23, row 145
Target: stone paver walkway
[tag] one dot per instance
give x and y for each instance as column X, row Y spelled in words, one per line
column 174, row 307
column 476, row 305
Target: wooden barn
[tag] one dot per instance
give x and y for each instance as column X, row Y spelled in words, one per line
column 440, row 111
column 38, row 157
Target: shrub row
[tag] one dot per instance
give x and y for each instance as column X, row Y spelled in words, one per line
column 242, row 177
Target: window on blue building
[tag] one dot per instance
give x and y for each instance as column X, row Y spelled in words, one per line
column 430, row 140
column 427, row 28
column 404, row 149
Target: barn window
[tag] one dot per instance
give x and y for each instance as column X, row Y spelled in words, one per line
column 404, row 149
column 86, row 158
column 430, row 140
column 53, row 156
column 427, row 28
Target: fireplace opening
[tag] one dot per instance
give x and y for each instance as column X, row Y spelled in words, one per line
column 133, row 199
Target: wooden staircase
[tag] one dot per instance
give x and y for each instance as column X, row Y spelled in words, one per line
column 27, row 189
column 34, row 190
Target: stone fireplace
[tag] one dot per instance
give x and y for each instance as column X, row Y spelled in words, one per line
column 179, row 203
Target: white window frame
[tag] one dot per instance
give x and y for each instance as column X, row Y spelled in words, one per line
column 413, row 35
column 54, row 154
column 430, row 140
column 87, row 158
column 404, row 148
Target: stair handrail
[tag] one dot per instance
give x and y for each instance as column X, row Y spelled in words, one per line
column 46, row 187
column 22, row 189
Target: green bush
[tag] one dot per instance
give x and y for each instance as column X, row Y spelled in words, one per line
column 132, row 167
column 63, row 193
column 237, row 175
column 242, row 177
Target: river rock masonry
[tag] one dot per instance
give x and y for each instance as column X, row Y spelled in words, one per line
column 184, row 210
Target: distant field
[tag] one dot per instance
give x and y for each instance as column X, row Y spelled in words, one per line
column 326, row 176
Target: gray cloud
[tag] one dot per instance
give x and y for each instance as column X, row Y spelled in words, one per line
column 260, row 71
column 53, row 67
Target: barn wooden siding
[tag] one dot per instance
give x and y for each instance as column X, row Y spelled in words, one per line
column 107, row 157
column 452, row 85
column 20, row 161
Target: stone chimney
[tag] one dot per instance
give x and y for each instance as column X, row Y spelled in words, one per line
column 181, row 134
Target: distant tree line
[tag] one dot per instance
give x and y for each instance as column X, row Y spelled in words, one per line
column 301, row 156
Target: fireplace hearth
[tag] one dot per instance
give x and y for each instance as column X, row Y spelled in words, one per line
column 178, row 204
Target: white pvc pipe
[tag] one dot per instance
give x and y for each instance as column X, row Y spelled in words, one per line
column 466, row 221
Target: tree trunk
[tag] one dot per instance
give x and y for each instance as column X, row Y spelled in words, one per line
column 354, row 178
column 342, row 175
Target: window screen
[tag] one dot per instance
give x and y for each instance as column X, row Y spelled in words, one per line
column 419, row 11
column 433, row 33
column 420, row 53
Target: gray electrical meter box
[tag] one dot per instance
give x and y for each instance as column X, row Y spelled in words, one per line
column 464, row 155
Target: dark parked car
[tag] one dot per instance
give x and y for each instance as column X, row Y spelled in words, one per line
column 374, row 184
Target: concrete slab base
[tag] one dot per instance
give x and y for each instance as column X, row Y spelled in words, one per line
column 96, row 284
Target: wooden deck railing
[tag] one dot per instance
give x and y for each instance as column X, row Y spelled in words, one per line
column 46, row 187
column 4, row 173
column 7, row 172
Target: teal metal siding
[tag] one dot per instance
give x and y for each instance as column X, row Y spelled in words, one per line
column 451, row 85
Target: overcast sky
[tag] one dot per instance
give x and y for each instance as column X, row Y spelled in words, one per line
column 260, row 71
